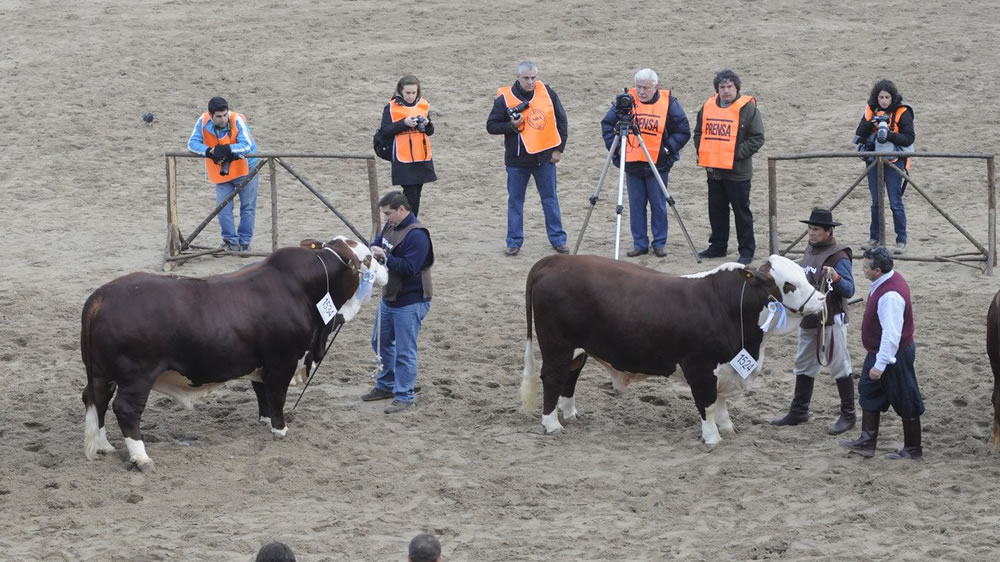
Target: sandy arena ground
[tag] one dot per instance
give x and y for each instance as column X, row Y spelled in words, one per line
column 83, row 191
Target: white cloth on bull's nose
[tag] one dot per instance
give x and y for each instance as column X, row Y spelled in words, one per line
column 772, row 308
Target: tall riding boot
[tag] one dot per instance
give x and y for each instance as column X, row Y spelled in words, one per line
column 865, row 444
column 845, row 386
column 911, row 441
column 799, row 411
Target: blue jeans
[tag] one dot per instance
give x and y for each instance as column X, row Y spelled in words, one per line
column 248, row 211
column 517, row 185
column 643, row 190
column 400, row 327
column 894, row 192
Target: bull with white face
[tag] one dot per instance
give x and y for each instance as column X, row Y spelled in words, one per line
column 638, row 322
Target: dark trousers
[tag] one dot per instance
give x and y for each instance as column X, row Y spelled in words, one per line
column 412, row 193
column 897, row 387
column 723, row 194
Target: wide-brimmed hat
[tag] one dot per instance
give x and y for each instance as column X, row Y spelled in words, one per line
column 821, row 217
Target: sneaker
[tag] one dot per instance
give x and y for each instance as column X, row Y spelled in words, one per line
column 397, row 406
column 244, row 247
column 511, row 251
column 562, row 248
column 660, row 252
column 230, row 247
column 376, row 394
column 871, row 243
column 745, row 260
column 900, row 248
column 711, row 252
column 637, row 252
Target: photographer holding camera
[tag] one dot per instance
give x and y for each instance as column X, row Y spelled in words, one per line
column 661, row 121
column 533, row 122
column 406, row 120
column 223, row 138
column 886, row 125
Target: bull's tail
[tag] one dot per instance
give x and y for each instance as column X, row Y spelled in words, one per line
column 993, row 350
column 97, row 393
column 530, row 381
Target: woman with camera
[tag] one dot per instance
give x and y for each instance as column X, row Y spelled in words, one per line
column 406, row 120
column 887, row 125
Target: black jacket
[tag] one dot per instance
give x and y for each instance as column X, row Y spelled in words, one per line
column 515, row 155
column 407, row 173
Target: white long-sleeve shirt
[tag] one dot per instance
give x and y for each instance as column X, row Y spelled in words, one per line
column 890, row 315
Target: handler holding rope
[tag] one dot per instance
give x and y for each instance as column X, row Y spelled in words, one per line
column 823, row 340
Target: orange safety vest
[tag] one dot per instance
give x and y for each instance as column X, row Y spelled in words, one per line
column 652, row 121
column 719, row 127
column 238, row 167
column 893, row 123
column 410, row 145
column 538, row 131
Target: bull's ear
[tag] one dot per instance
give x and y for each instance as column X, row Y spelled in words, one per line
column 311, row 244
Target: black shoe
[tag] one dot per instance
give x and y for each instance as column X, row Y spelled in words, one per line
column 637, row 252
column 511, row 251
column 562, row 248
column 230, row 247
column 397, row 406
column 711, row 252
column 377, row 394
column 745, row 260
column 244, row 247
column 660, row 252
column 802, row 396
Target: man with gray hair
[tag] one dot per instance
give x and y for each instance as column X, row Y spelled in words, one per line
column 533, row 122
column 888, row 377
column 425, row 548
column 661, row 121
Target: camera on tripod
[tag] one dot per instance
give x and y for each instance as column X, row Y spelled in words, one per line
column 421, row 123
column 624, row 104
column 515, row 112
column 881, row 123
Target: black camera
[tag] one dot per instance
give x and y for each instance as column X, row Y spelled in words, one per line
column 881, row 123
column 421, row 123
column 224, row 169
column 624, row 104
column 515, row 112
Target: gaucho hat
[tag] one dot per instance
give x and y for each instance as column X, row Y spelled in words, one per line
column 821, row 217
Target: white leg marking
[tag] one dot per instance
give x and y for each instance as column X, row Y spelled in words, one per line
column 709, row 431
column 280, row 433
column 568, row 407
column 137, row 454
column 722, row 416
column 551, row 422
column 90, row 433
column 103, row 445
column 529, row 379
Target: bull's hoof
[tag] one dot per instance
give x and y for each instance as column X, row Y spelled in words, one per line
column 709, row 447
column 145, row 467
column 265, row 421
column 279, row 433
column 553, row 430
column 727, row 430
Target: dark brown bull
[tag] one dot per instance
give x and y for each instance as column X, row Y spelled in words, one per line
column 993, row 350
column 184, row 336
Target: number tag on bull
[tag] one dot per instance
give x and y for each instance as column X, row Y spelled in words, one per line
column 327, row 310
column 744, row 363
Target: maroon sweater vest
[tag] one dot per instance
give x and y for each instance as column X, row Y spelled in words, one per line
column 871, row 328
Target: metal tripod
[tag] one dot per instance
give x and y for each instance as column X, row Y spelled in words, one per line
column 623, row 129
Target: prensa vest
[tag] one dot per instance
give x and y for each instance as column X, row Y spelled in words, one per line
column 410, row 145
column 719, row 128
column 894, row 118
column 238, row 167
column 652, row 121
column 538, row 131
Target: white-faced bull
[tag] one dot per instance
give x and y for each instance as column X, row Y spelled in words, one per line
column 638, row 322
column 184, row 337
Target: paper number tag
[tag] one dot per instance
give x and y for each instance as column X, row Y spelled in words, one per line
column 744, row 363
column 327, row 310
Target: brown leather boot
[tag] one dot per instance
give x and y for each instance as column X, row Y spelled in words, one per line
column 865, row 444
column 799, row 410
column 845, row 387
column 911, row 441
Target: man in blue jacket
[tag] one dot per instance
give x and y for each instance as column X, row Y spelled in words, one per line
column 665, row 130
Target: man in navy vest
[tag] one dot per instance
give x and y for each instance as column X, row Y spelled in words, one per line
column 887, row 378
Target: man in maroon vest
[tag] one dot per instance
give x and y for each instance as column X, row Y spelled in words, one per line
column 887, row 378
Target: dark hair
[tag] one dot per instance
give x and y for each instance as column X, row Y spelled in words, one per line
column 887, row 86
column 218, row 103
column 727, row 76
column 408, row 80
column 394, row 200
column 275, row 552
column 881, row 258
column 424, row 548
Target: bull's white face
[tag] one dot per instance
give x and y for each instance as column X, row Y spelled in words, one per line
column 365, row 257
column 796, row 291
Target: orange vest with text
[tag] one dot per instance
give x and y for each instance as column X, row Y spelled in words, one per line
column 410, row 145
column 238, row 167
column 719, row 127
column 538, row 131
column 893, row 122
column 652, row 121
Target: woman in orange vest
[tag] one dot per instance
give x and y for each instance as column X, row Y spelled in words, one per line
column 885, row 105
column 406, row 120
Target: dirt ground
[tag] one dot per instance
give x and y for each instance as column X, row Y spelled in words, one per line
column 83, row 192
